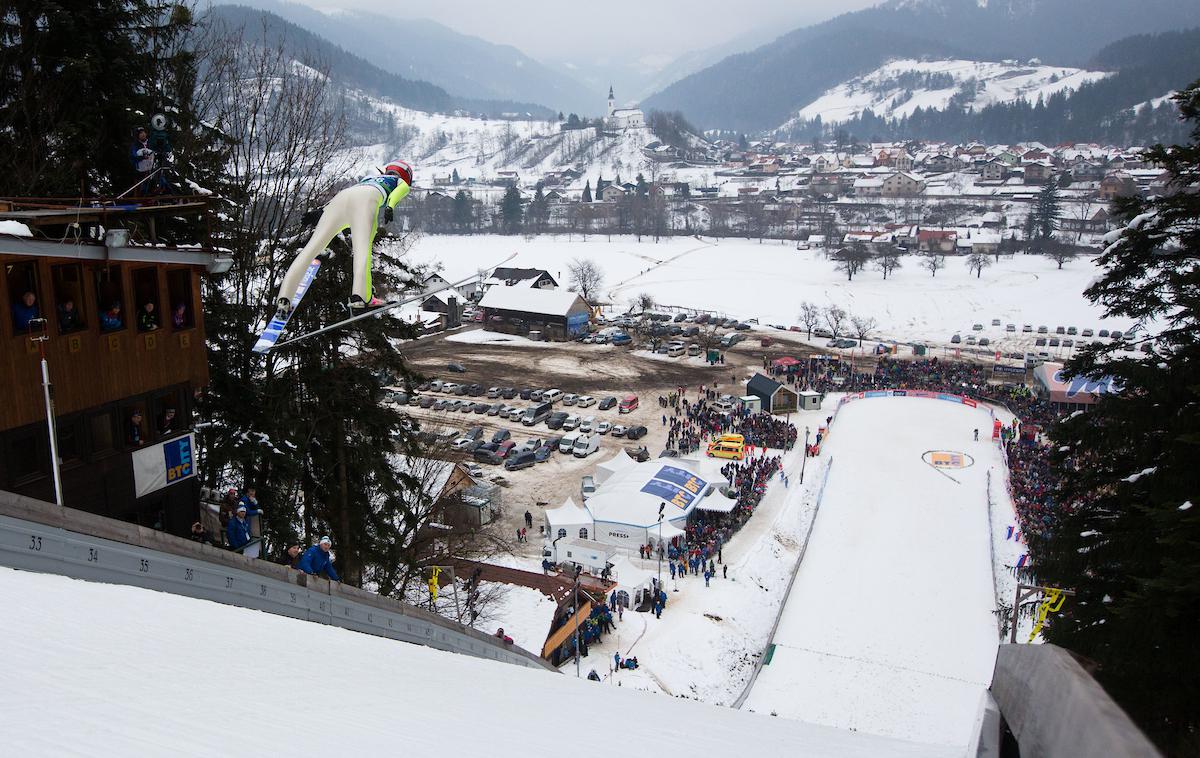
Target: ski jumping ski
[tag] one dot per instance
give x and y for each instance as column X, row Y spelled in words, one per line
column 391, row 305
column 270, row 335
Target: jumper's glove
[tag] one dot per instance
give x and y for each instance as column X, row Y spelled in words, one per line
column 311, row 217
column 388, row 214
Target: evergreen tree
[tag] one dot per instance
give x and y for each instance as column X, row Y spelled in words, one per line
column 587, row 191
column 72, row 76
column 454, row 177
column 1126, row 535
column 1048, row 210
column 511, row 211
column 462, row 214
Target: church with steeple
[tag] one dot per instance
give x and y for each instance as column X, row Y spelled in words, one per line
column 622, row 118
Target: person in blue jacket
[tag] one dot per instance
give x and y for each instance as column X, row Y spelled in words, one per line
column 237, row 531
column 316, row 560
column 24, row 311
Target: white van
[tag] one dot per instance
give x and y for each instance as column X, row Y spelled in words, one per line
column 552, row 396
column 586, row 445
column 675, row 350
column 567, row 443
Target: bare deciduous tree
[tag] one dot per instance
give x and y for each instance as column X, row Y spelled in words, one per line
column 863, row 325
column 977, row 262
column 852, row 258
column 835, row 317
column 586, row 278
column 888, row 261
column 810, row 316
column 933, row 262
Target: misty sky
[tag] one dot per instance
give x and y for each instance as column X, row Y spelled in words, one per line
column 576, row 30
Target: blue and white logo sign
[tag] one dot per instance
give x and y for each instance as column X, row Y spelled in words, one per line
column 164, row 464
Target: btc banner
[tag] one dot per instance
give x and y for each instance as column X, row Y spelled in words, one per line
column 164, row 464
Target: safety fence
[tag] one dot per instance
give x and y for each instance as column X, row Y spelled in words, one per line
column 41, row 537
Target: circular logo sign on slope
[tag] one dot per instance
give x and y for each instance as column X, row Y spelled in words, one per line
column 946, row 459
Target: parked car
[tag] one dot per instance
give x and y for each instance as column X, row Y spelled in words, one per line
column 603, row 427
column 1040, row 342
column 1054, row 342
column 428, row 401
column 569, row 398
column 536, row 395
column 1010, row 328
column 475, row 390
column 1068, row 342
column 493, row 392
column 1102, row 333
column 1060, row 330
column 971, row 339
column 457, row 368
column 1087, row 333
column 481, row 408
column 1116, row 334
column 618, row 430
column 1072, row 331
column 1027, row 328
column 440, row 404
column 956, row 339
column 556, row 419
column 586, row 445
column 669, row 452
column 494, row 409
column 587, row 487
column 506, row 448
column 639, row 454
column 607, row 403
column 518, row 461
column 995, row 322
column 501, row 435
column 984, row 342
column 702, row 318
column 475, row 433
column 635, row 432
column 515, row 414
column 587, row 424
column 542, row 454
column 585, row 401
column 485, row 454
column 1043, row 329
column 977, row 328
column 536, row 414
column 508, row 393
column 552, row 396
column 571, row 421
column 526, row 393
column 462, row 443
column 821, row 331
column 621, row 339
column 567, row 443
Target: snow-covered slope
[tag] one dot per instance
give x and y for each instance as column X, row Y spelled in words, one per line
column 899, row 87
column 102, row 670
column 478, row 148
column 895, row 593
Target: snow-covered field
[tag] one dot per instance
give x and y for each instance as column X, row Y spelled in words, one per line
column 102, row 670
column 885, row 92
column 768, row 281
column 889, row 627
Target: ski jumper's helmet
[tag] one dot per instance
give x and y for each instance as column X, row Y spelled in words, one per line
column 401, row 169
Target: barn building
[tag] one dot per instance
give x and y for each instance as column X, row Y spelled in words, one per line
column 555, row 315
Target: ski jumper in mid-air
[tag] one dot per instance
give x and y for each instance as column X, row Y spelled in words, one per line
column 357, row 208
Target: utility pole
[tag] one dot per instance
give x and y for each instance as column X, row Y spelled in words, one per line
column 41, row 338
column 661, row 507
